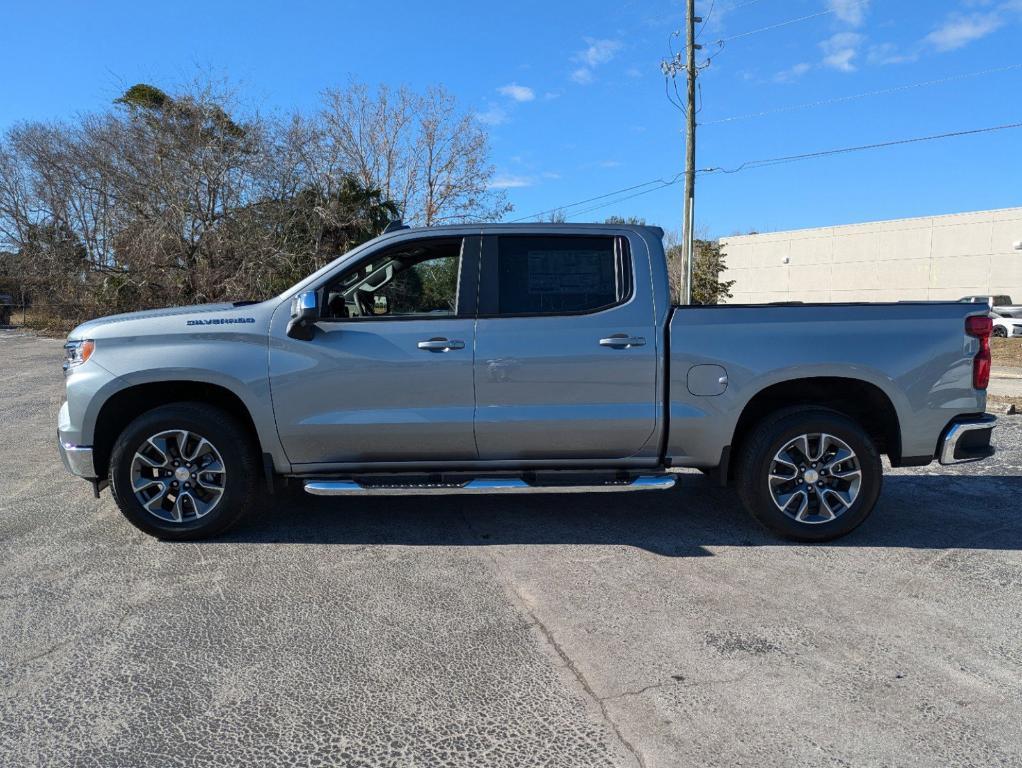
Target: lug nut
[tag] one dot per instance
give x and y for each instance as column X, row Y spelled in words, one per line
column 174, row 484
column 820, row 483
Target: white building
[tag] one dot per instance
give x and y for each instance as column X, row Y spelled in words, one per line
column 934, row 257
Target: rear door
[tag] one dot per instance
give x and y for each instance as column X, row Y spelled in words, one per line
column 566, row 349
column 387, row 377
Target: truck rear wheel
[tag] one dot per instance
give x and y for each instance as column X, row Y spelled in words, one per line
column 184, row 471
column 809, row 474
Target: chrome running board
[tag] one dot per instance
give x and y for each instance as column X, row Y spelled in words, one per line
column 483, row 485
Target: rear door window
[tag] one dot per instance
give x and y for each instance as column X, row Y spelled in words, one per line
column 554, row 275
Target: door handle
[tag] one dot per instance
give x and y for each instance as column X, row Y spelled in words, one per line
column 441, row 345
column 622, row 341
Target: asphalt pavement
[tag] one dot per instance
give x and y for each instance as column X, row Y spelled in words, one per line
column 653, row 629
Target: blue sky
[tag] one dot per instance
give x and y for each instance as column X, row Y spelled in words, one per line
column 574, row 98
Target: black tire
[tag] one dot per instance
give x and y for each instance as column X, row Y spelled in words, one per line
column 756, row 460
column 234, row 446
column 999, row 332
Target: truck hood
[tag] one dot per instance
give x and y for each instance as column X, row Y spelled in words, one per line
column 226, row 313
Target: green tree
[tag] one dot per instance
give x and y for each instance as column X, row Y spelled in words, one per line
column 707, row 264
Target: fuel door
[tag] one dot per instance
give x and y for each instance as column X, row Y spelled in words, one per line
column 707, row 380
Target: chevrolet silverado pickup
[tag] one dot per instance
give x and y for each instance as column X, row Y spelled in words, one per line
column 539, row 358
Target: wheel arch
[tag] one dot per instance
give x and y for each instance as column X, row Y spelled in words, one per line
column 858, row 399
column 126, row 404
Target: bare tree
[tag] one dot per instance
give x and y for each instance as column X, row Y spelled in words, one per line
column 419, row 150
column 179, row 198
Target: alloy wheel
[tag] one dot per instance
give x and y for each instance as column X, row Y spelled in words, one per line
column 814, row 478
column 178, row 476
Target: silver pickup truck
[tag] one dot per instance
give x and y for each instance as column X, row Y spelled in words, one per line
column 517, row 359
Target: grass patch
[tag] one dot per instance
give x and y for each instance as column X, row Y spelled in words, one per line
column 1006, row 352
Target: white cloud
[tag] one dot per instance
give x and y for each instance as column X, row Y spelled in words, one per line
column 597, row 52
column 517, row 92
column 495, row 115
column 889, row 53
column 582, row 75
column 840, row 50
column 792, row 73
column 960, row 30
column 510, row 182
column 850, row 11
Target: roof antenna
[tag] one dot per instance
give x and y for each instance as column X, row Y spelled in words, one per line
column 394, row 226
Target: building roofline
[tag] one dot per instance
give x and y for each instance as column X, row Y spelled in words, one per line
column 780, row 233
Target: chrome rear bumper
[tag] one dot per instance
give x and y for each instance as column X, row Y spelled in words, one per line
column 967, row 439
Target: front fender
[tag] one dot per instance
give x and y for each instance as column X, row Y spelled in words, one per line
column 236, row 361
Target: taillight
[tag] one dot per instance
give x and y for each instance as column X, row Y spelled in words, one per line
column 980, row 327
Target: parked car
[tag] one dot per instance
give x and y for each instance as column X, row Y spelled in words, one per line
column 6, row 308
column 517, row 359
column 1001, row 304
column 1006, row 327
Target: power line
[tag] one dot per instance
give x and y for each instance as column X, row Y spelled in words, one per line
column 853, row 97
column 577, row 203
column 788, row 22
column 773, row 26
column 629, row 197
column 706, row 19
column 749, row 164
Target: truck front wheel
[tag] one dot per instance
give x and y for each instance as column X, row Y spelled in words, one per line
column 809, row 474
column 184, row 471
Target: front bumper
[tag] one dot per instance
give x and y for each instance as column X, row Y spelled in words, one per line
column 77, row 458
column 967, row 438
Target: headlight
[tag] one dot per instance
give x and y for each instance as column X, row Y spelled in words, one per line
column 77, row 352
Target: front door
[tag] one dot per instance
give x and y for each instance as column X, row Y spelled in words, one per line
column 566, row 349
column 387, row 376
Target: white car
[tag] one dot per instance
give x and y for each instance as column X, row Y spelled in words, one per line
column 1006, row 327
column 997, row 303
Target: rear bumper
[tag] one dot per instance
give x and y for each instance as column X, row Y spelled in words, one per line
column 77, row 458
column 967, row 438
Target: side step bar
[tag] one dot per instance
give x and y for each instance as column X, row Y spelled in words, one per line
column 483, row 485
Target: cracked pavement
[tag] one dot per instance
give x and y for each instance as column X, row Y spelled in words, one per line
column 656, row 629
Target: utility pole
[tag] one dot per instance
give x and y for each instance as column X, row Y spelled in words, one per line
column 688, row 236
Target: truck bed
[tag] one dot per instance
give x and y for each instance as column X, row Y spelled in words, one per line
column 914, row 355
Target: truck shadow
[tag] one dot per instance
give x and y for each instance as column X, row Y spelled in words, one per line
column 915, row 511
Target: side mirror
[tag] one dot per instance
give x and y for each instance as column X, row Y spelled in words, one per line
column 304, row 314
